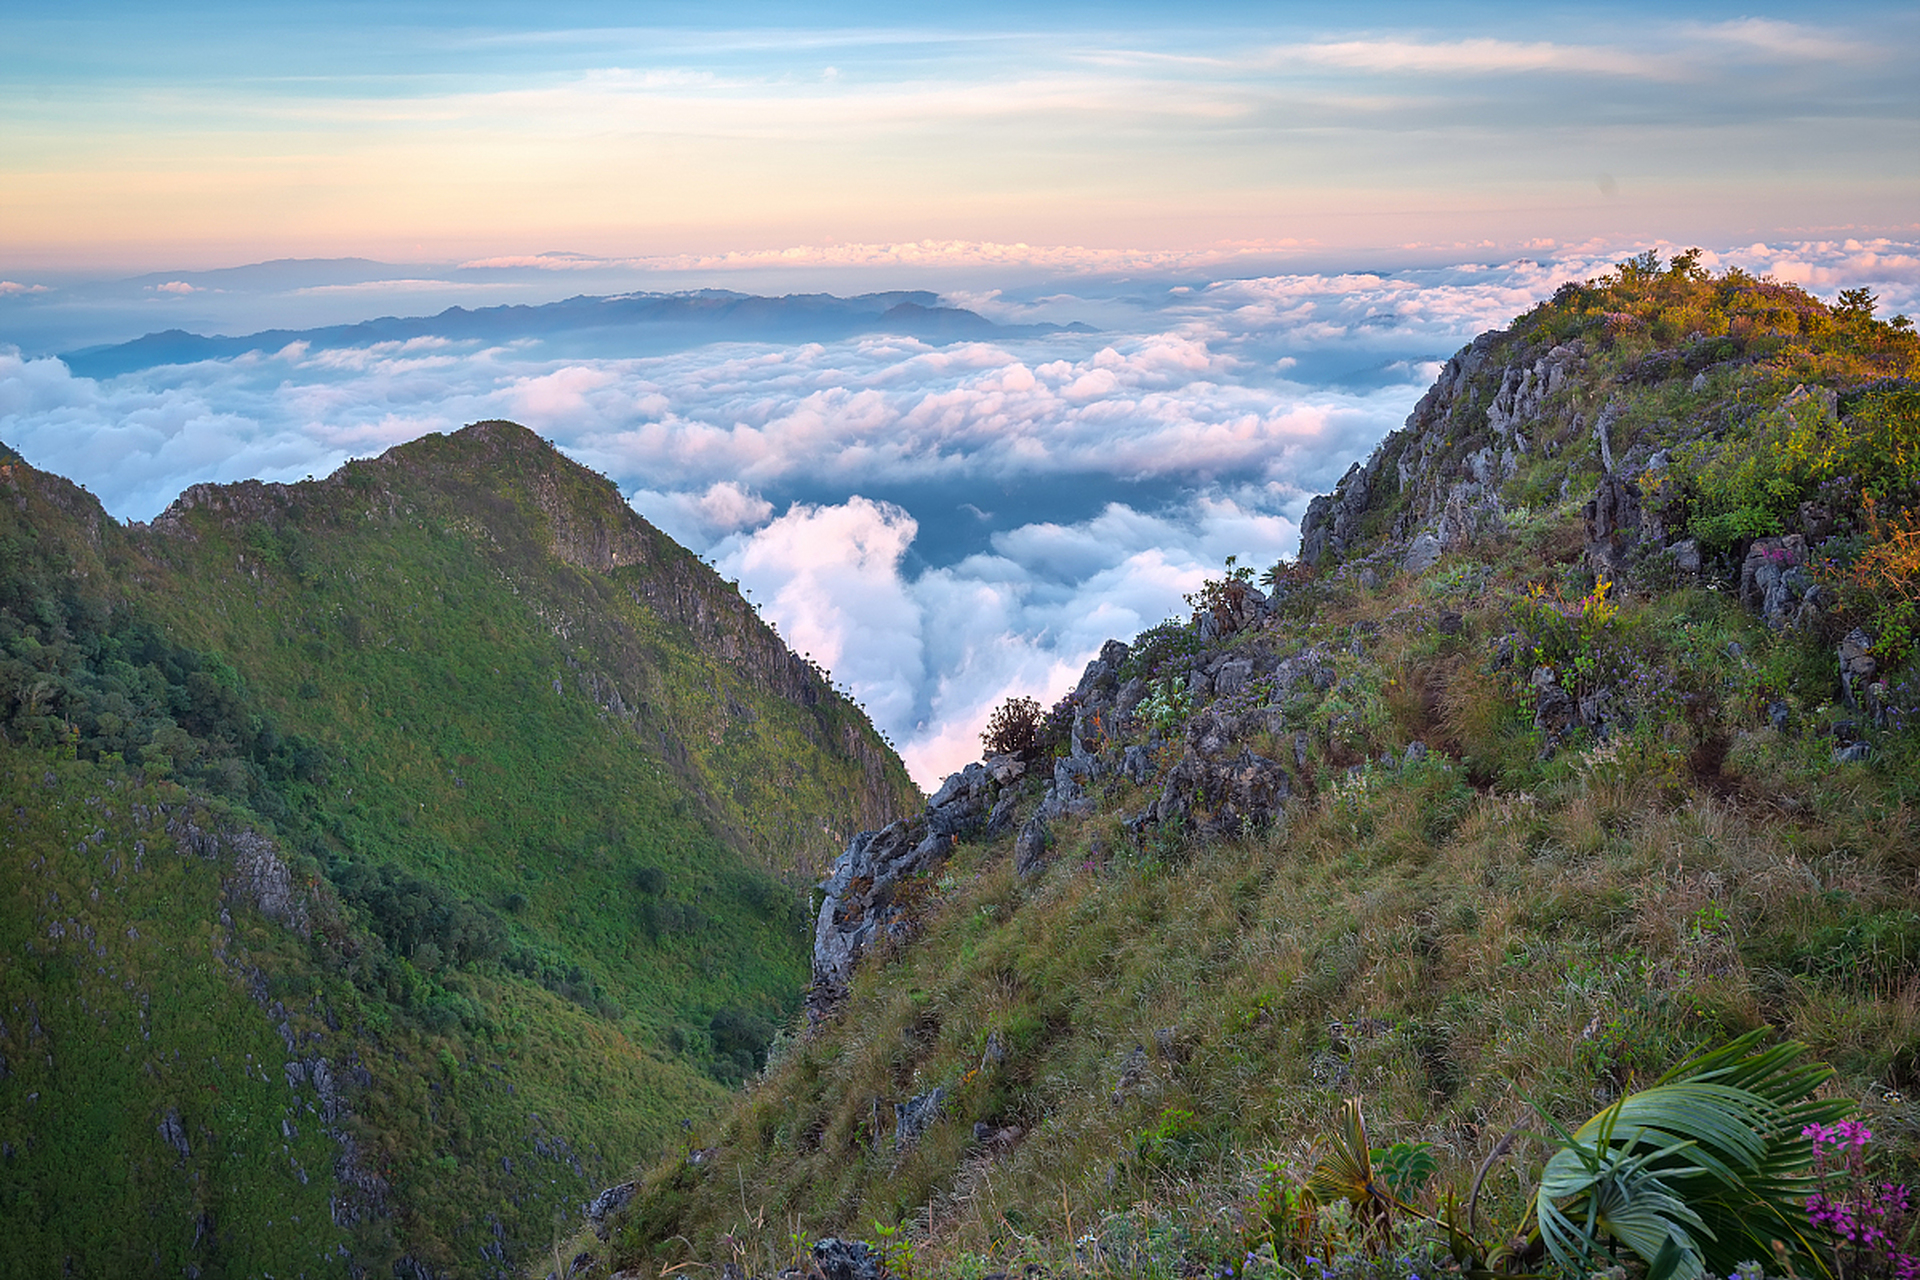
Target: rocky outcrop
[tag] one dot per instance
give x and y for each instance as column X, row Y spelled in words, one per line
column 867, row 895
column 911, row 1118
column 1860, row 681
column 1331, row 528
column 609, row 1202
column 858, row 905
column 1444, row 469
column 1238, row 794
column 1612, row 519
column 1775, row 583
column 837, row 1259
column 255, row 874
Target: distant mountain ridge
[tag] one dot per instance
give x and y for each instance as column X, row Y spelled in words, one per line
column 710, row 314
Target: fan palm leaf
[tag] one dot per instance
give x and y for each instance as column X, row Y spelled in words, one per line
column 1699, row 1171
column 1345, row 1170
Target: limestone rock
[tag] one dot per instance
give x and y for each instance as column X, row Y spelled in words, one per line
column 1775, row 583
column 857, row 906
column 1554, row 710
column 1241, row 791
column 1001, row 816
column 1232, row 677
column 912, row 1117
column 1030, row 847
column 1857, row 666
column 1239, row 607
column 1332, row 523
column 1613, row 518
column 603, row 1206
column 1423, row 554
column 1102, row 674
column 837, row 1259
column 174, row 1134
column 963, row 801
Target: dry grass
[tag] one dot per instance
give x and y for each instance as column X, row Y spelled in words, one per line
column 1453, row 942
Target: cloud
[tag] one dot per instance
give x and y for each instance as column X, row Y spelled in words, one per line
column 930, row 657
column 175, row 286
column 1827, row 266
column 378, row 287
column 829, row 578
column 703, row 518
column 1476, row 57
column 941, row 526
column 928, row 253
column 1784, row 41
column 9, row 287
column 1689, row 50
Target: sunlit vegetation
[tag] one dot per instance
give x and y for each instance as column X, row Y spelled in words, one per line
column 543, row 850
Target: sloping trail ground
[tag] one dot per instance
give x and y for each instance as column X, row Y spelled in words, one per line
column 391, row 860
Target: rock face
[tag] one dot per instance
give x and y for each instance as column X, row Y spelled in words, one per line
column 603, row 1206
column 862, row 897
column 1444, row 467
column 1030, row 847
column 912, row 1117
column 1775, row 584
column 859, row 906
column 1423, row 554
column 837, row 1259
column 1613, row 518
column 1241, row 793
column 1859, row 674
column 1332, row 523
column 1428, row 491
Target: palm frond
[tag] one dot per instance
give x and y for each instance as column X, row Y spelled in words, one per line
column 1696, row 1172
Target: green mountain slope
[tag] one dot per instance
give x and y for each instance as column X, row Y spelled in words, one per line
column 1583, row 735
column 394, row 858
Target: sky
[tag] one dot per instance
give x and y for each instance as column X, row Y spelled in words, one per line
column 167, row 136
column 1271, row 223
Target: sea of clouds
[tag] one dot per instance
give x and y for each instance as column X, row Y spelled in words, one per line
column 941, row 526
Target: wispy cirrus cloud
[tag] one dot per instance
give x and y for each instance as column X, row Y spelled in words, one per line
column 1475, row 57
column 1686, row 51
column 1785, row 41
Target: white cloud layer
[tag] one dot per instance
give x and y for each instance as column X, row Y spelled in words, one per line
column 1108, row 474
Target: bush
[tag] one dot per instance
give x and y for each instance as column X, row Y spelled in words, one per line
column 1157, row 646
column 1013, row 729
column 740, row 1040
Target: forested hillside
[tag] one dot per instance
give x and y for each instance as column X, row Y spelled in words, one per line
column 391, row 859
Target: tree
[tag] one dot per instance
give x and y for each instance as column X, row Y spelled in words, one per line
column 1855, row 304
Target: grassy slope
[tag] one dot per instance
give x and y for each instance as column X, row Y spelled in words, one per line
column 439, row 635
column 1447, row 940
